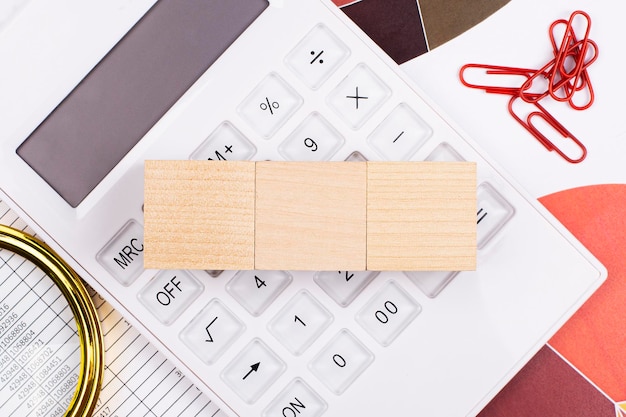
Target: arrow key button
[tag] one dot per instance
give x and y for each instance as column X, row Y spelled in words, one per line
column 253, row 370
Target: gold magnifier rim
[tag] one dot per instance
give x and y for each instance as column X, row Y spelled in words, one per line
column 69, row 283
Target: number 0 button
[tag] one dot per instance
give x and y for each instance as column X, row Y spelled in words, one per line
column 340, row 363
column 388, row 313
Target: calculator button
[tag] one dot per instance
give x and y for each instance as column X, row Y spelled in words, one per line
column 169, row 293
column 212, row 331
column 256, row 290
column 317, row 56
column 356, row 156
column 314, row 140
column 431, row 283
column 343, row 286
column 492, row 214
column 300, row 322
column 388, row 313
column 340, row 363
column 269, row 105
column 225, row 143
column 297, row 399
column 400, row 135
column 122, row 257
column 253, row 370
column 444, row 152
column 358, row 96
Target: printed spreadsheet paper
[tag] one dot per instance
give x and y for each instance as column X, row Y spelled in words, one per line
column 39, row 354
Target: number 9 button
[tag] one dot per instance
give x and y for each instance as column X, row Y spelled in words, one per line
column 315, row 139
column 388, row 313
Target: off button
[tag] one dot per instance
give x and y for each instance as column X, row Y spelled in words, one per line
column 122, row 257
column 169, row 293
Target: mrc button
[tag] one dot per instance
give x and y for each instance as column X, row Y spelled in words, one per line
column 123, row 255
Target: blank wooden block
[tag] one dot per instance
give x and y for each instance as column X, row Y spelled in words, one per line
column 199, row 215
column 421, row 216
column 310, row 215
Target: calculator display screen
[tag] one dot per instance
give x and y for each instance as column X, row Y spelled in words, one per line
column 130, row 89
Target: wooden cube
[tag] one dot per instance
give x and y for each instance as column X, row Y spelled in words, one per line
column 199, row 214
column 310, row 215
column 421, row 216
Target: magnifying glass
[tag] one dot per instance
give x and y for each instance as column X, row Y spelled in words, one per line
column 49, row 363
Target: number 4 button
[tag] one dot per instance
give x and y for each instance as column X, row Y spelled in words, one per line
column 256, row 290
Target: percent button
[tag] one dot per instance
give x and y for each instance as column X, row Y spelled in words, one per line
column 269, row 105
column 266, row 105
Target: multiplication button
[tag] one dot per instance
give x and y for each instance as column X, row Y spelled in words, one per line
column 314, row 139
column 358, row 96
column 388, row 313
column 212, row 331
column 400, row 135
column 253, row 370
column 297, row 399
column 256, row 290
column 300, row 322
column 123, row 255
column 340, row 363
column 269, row 105
column 225, row 143
column 317, row 56
column 169, row 293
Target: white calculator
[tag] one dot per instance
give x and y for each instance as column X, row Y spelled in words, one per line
column 285, row 80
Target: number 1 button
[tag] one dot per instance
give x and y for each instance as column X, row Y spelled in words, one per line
column 300, row 322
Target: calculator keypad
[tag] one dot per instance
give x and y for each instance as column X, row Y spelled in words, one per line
column 317, row 56
column 169, row 293
column 212, row 331
column 225, row 143
column 353, row 98
column 358, row 96
column 314, row 140
column 432, row 282
column 123, row 255
column 389, row 312
column 297, row 399
column 492, row 214
column 344, row 286
column 256, row 290
column 341, row 361
column 253, row 370
column 269, row 105
column 400, row 135
column 300, row 322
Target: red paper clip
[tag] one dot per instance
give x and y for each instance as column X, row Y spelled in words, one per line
column 563, row 78
column 525, row 73
column 542, row 113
